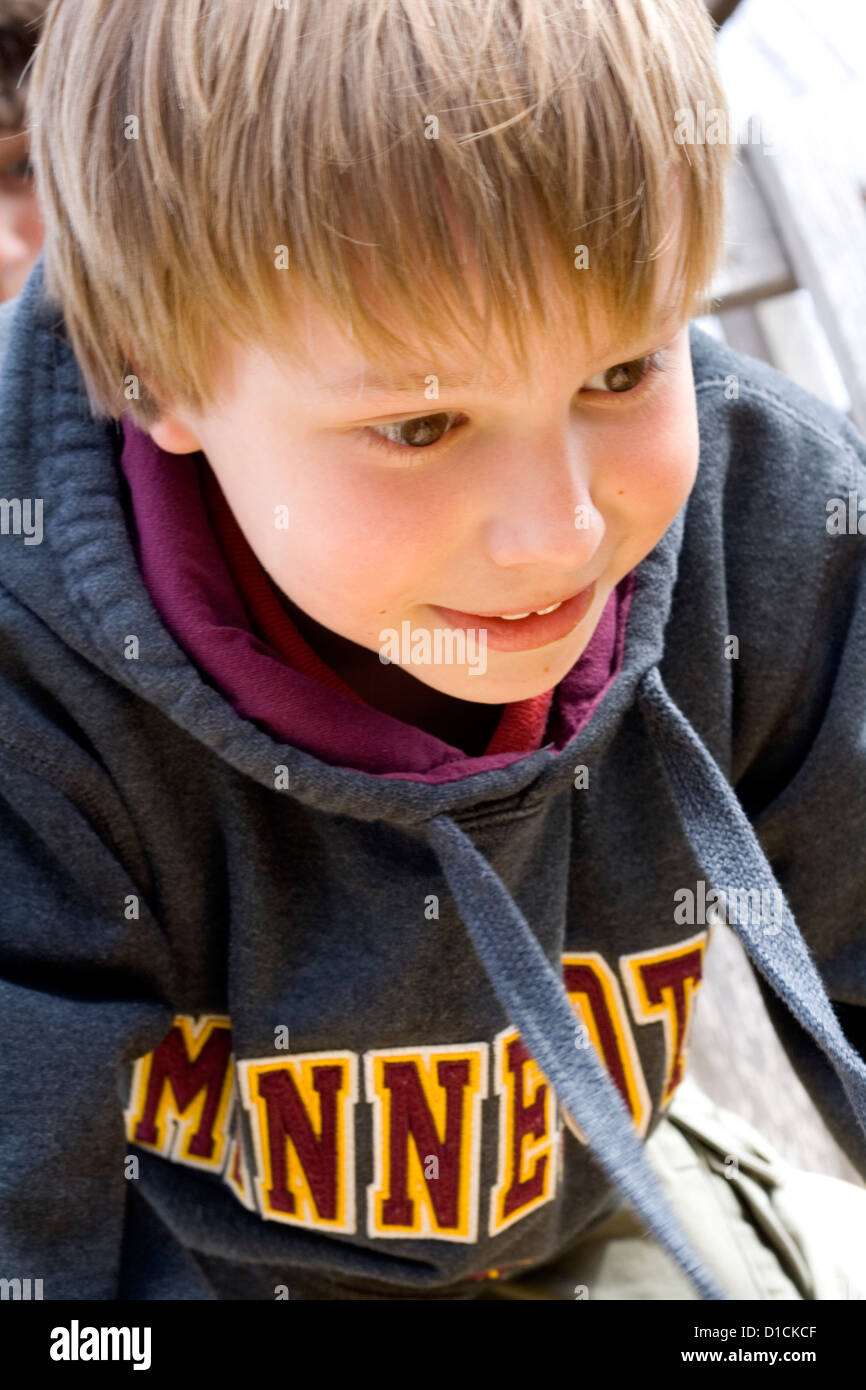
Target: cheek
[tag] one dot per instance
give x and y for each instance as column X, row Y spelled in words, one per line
column 31, row 226
column 352, row 536
column 654, row 463
column 21, row 219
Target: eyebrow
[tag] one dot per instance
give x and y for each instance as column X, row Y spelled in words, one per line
column 373, row 383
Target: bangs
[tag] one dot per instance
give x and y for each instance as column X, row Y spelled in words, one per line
column 367, row 156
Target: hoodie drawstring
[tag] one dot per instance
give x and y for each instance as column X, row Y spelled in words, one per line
column 535, row 1000
column 728, row 849
column 534, row 996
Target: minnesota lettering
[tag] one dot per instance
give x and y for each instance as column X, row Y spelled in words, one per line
column 187, row 1096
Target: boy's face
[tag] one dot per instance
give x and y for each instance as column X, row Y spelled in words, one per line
column 530, row 495
column 21, row 229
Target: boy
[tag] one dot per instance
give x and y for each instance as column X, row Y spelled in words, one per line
column 387, row 724
column 20, row 220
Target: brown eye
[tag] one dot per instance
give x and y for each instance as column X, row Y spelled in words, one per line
column 17, row 177
column 415, row 434
column 626, row 375
column 639, row 376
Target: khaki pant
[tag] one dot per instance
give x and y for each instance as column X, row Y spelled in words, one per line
column 765, row 1229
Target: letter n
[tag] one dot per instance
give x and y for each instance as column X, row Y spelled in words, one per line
column 426, row 1104
column 302, row 1113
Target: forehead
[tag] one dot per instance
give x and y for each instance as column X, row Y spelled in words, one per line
column 349, row 376
column 331, row 368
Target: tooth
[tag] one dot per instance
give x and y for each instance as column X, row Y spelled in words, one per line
column 541, row 611
column 512, row 617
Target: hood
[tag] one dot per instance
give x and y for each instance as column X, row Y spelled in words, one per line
column 51, row 449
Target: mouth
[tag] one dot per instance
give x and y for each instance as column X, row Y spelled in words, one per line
column 523, row 631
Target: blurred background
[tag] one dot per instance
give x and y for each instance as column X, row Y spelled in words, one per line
column 793, row 293
column 21, row 228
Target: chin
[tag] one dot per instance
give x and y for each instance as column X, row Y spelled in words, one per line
column 511, row 676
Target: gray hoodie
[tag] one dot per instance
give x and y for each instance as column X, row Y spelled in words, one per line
column 273, row 1027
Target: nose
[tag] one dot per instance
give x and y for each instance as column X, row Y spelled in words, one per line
column 543, row 512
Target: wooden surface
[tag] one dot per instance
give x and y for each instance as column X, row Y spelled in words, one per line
column 796, row 216
column 735, row 1056
column 823, row 221
column 756, row 264
column 796, row 69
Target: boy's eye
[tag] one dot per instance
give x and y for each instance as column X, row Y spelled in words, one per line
column 419, row 433
column 625, row 376
column 19, row 172
column 426, row 431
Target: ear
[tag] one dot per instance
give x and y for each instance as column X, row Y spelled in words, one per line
column 171, row 434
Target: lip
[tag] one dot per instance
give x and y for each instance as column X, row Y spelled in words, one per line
column 523, row 634
column 529, row 607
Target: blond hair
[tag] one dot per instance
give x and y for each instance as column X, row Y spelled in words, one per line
column 202, row 164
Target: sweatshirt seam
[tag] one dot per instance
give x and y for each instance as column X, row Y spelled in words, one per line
column 45, row 766
column 800, row 680
column 470, row 822
column 839, row 443
column 783, row 407
column 33, row 758
column 82, row 802
column 797, row 686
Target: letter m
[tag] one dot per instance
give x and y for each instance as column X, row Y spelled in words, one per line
column 742, row 903
column 181, row 1093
